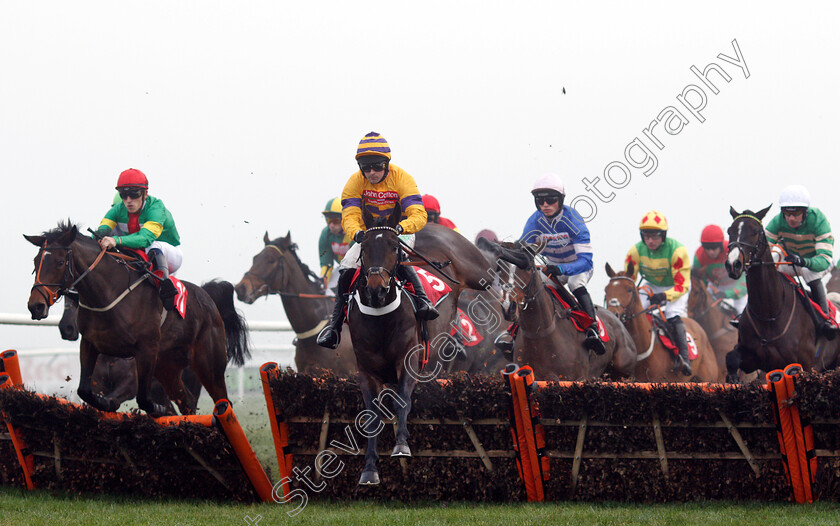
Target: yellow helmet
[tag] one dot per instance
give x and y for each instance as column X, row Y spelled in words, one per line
column 332, row 208
column 654, row 221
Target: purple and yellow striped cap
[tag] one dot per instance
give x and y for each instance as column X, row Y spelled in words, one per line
column 373, row 144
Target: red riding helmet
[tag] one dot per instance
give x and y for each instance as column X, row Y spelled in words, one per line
column 431, row 204
column 712, row 234
column 132, row 177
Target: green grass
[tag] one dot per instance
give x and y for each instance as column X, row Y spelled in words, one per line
column 43, row 508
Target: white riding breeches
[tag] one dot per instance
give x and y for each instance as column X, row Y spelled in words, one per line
column 173, row 254
column 678, row 307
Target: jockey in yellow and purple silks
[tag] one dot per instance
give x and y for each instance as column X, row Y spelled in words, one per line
column 377, row 186
column 665, row 268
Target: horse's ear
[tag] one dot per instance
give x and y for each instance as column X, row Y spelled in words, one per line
column 67, row 237
column 367, row 217
column 38, row 241
column 734, row 213
column 519, row 258
column 630, row 270
column 288, row 238
column 761, row 213
column 396, row 215
column 266, row 239
column 610, row 271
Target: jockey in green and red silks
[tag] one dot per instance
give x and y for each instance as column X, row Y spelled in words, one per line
column 140, row 221
column 376, row 187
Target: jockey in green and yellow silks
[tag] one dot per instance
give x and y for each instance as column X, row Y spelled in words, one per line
column 141, row 221
column 332, row 245
column 665, row 268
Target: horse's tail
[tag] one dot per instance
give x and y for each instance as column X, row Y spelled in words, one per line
column 236, row 331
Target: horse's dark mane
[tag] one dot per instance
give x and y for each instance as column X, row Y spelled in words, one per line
column 281, row 242
column 63, row 227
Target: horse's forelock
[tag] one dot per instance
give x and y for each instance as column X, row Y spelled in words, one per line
column 63, row 227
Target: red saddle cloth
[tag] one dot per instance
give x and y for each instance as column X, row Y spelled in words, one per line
column 580, row 319
column 180, row 298
column 466, row 328
column 436, row 290
column 833, row 315
column 693, row 353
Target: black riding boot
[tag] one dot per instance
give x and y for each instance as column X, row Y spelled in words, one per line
column 330, row 336
column 679, row 335
column 166, row 289
column 824, row 327
column 425, row 309
column 593, row 340
column 505, row 340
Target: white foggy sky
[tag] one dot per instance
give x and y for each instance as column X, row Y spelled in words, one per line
column 245, row 116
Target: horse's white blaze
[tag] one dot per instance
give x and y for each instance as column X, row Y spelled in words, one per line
column 614, row 302
column 378, row 236
column 734, row 254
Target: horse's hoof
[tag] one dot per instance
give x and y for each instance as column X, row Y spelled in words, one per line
column 732, row 379
column 369, row 478
column 401, row 450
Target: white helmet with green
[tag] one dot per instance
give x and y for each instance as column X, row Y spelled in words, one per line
column 795, row 196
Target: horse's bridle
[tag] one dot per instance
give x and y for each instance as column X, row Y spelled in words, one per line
column 624, row 317
column 51, row 296
column 755, row 249
column 392, row 273
column 272, row 276
column 535, row 286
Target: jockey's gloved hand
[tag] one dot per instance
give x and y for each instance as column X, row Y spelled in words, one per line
column 359, row 236
column 399, row 229
column 658, row 298
column 796, row 259
column 554, row 270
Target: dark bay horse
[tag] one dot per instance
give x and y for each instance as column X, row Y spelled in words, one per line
column 277, row 269
column 714, row 320
column 549, row 341
column 776, row 329
column 122, row 316
column 833, row 284
column 487, row 321
column 473, row 294
column 116, row 378
column 384, row 330
column 655, row 363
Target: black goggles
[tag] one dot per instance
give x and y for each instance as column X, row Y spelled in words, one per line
column 130, row 193
column 376, row 167
column 793, row 211
column 549, row 200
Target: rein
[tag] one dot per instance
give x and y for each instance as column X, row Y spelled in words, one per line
column 61, row 289
column 435, row 264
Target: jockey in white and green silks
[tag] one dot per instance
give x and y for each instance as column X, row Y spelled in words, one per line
column 805, row 234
